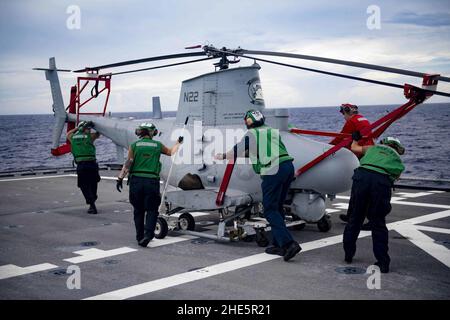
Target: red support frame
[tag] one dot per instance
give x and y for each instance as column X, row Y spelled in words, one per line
column 105, row 79
column 415, row 95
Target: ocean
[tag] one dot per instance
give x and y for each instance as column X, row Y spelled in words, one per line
column 25, row 140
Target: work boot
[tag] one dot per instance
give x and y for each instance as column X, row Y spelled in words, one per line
column 384, row 268
column 275, row 250
column 348, row 258
column 92, row 209
column 291, row 250
column 144, row 242
column 343, row 217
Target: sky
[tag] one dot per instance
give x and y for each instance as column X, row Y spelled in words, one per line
column 413, row 35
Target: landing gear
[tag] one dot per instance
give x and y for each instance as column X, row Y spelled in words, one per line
column 186, row 222
column 324, row 224
column 161, row 228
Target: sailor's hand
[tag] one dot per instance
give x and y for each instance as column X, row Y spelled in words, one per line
column 219, row 156
column 356, row 136
column 180, row 139
column 119, row 184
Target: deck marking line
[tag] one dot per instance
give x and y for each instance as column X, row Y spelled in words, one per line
column 427, row 244
column 408, row 203
column 433, row 229
column 186, row 277
column 94, row 254
column 210, row 271
column 11, row 270
column 39, row 177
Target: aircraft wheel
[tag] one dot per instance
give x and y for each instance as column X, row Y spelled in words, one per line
column 324, row 224
column 261, row 238
column 161, row 228
column 186, row 222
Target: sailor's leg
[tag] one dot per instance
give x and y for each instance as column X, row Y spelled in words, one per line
column 381, row 197
column 83, row 181
column 358, row 202
column 152, row 202
column 272, row 186
column 137, row 200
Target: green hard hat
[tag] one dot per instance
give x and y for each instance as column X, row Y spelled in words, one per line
column 146, row 126
column 394, row 143
column 256, row 116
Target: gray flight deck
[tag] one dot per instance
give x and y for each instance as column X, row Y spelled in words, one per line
column 44, row 229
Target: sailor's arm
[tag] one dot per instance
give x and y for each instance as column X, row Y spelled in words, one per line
column 71, row 132
column 173, row 150
column 356, row 148
column 241, row 149
column 95, row 136
column 125, row 169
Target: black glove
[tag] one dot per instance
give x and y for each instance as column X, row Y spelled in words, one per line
column 356, row 136
column 119, row 184
column 180, row 139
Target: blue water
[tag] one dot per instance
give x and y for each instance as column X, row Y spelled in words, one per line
column 25, row 140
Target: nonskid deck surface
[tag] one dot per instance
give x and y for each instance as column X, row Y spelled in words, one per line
column 44, row 230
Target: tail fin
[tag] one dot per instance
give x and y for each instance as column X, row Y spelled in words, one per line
column 156, row 108
column 51, row 74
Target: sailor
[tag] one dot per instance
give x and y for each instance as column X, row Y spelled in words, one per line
column 143, row 164
column 371, row 196
column 353, row 122
column 272, row 162
column 83, row 150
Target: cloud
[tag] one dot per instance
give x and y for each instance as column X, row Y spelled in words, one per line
column 439, row 19
column 116, row 31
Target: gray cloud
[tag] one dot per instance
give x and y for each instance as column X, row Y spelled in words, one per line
column 440, row 19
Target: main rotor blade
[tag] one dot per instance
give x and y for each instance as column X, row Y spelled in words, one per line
column 126, row 63
column 341, row 62
column 163, row 66
column 383, row 83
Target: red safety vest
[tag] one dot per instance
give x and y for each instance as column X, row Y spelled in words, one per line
column 356, row 123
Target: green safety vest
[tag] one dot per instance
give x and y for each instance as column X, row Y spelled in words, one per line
column 383, row 159
column 146, row 158
column 82, row 147
column 270, row 150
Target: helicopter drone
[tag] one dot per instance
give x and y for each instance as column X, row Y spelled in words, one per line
column 216, row 101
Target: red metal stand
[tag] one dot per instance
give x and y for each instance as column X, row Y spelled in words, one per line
column 224, row 184
column 415, row 95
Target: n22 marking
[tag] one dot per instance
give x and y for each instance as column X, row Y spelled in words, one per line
column 191, row 96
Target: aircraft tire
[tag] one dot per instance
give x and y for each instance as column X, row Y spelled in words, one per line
column 161, row 228
column 186, row 222
column 324, row 224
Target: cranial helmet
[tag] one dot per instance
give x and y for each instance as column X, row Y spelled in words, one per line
column 393, row 143
column 256, row 116
column 348, row 108
column 85, row 125
column 146, row 128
